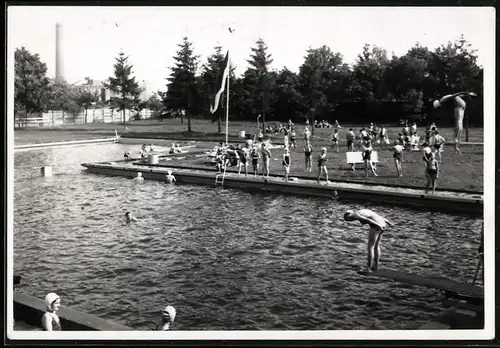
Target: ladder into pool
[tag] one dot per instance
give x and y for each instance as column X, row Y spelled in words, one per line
column 219, row 177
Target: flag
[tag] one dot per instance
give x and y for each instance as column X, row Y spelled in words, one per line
column 220, row 83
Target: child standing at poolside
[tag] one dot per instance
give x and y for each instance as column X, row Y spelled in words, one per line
column 286, row 163
column 322, row 165
column 255, row 155
column 50, row 320
column 432, row 173
column 335, row 140
column 266, row 159
column 292, row 138
column 307, row 153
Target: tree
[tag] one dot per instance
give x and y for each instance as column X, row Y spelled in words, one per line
column 63, row 97
column 154, row 104
column 182, row 90
column 288, row 101
column 31, row 86
column 124, row 86
column 86, row 99
column 317, row 76
column 258, row 79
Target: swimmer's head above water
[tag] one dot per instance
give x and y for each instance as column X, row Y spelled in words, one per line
column 169, row 172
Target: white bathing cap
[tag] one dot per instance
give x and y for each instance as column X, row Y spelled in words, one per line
column 170, row 311
column 50, row 298
column 436, row 104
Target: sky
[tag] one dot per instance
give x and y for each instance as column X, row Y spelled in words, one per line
column 93, row 36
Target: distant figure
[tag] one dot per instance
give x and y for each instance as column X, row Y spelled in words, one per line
column 255, row 156
column 127, row 155
column 337, row 125
column 129, row 217
column 139, row 177
column 307, row 133
column 144, row 152
column 350, row 137
column 398, row 157
column 266, row 160
column 335, row 140
column 439, row 145
column 308, row 149
column 286, row 163
column 167, row 318
column 384, row 139
column 367, row 158
column 377, row 225
column 169, row 178
column 432, row 173
column 292, row 138
column 50, row 319
column 322, row 159
column 427, row 152
column 458, row 112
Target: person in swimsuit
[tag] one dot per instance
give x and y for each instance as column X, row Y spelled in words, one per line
column 307, row 133
column 50, row 319
column 337, row 125
column 398, row 157
column 266, row 160
column 335, row 140
column 350, row 137
column 292, row 138
column 378, row 225
column 243, row 155
column 285, row 138
column 167, row 318
column 307, row 154
column 427, row 152
column 432, row 173
column 458, row 112
column 286, row 163
column 438, row 145
column 169, row 178
column 144, row 152
column 322, row 165
column 367, row 158
column 129, row 217
column 255, row 155
column 139, row 177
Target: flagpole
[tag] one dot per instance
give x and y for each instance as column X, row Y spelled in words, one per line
column 227, row 96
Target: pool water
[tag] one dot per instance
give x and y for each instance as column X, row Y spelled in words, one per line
column 226, row 259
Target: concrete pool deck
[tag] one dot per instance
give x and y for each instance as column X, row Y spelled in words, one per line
column 457, row 202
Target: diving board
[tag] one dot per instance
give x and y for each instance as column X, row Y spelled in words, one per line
column 429, row 282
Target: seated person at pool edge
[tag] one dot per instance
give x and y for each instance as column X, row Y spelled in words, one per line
column 377, row 224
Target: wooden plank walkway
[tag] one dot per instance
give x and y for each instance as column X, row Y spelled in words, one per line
column 430, row 282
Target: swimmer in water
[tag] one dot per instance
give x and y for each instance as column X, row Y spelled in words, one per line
column 139, row 177
column 169, row 178
column 129, row 217
column 50, row 319
column 167, row 318
column 458, row 112
column 377, row 224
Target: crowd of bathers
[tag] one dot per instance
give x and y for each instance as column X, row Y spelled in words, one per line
column 257, row 153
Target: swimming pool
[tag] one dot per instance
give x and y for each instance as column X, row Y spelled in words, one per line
column 226, row 259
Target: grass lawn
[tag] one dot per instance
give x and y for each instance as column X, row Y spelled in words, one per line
column 463, row 172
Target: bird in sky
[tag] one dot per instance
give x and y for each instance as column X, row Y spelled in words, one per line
column 230, row 30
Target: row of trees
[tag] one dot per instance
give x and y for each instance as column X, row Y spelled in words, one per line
column 375, row 88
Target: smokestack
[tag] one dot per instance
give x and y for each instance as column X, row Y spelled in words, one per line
column 59, row 54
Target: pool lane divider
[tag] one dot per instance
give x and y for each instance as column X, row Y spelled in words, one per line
column 65, row 143
column 467, row 204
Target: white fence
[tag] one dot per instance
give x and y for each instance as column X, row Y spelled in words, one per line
column 59, row 117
